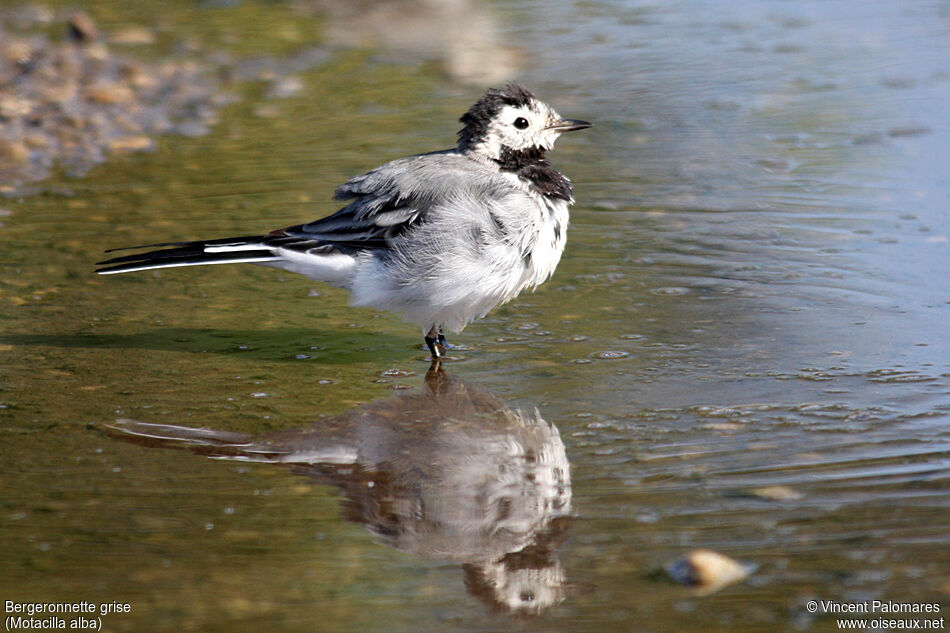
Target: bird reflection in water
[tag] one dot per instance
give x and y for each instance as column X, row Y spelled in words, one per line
column 447, row 472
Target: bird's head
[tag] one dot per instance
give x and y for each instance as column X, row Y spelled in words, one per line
column 512, row 119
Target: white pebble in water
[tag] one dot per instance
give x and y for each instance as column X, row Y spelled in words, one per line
column 706, row 571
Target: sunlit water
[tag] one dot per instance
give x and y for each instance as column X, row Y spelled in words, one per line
column 753, row 296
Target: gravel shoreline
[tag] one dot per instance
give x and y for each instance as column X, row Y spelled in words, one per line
column 70, row 101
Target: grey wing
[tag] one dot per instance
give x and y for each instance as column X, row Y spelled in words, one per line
column 386, row 202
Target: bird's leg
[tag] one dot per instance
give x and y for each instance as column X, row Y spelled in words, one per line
column 436, row 343
column 437, row 346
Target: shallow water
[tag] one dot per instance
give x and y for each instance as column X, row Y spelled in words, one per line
column 753, row 296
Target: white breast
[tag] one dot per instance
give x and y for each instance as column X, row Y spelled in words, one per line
column 551, row 237
column 470, row 255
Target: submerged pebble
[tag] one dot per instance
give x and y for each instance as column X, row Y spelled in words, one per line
column 396, row 372
column 778, row 493
column 706, row 571
column 133, row 36
column 611, row 354
column 670, row 290
column 82, row 27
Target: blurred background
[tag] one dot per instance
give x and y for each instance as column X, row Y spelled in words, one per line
column 744, row 348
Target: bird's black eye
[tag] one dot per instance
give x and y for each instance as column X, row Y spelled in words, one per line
column 521, row 123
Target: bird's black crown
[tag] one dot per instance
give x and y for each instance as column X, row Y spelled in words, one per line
column 480, row 115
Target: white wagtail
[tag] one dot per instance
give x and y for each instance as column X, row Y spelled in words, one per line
column 441, row 238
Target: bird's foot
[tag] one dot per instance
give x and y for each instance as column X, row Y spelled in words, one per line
column 436, row 343
column 436, row 347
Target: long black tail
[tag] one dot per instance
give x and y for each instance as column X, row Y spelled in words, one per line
column 257, row 248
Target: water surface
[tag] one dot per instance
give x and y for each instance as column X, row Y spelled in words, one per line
column 753, row 296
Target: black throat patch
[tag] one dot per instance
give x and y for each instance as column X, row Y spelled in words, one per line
column 531, row 164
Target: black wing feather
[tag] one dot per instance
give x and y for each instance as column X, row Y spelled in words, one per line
column 371, row 221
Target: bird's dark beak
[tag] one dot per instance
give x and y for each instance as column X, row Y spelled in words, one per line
column 569, row 125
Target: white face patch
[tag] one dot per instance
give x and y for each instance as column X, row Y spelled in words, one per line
column 521, row 127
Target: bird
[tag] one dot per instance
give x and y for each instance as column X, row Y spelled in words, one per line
column 439, row 238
